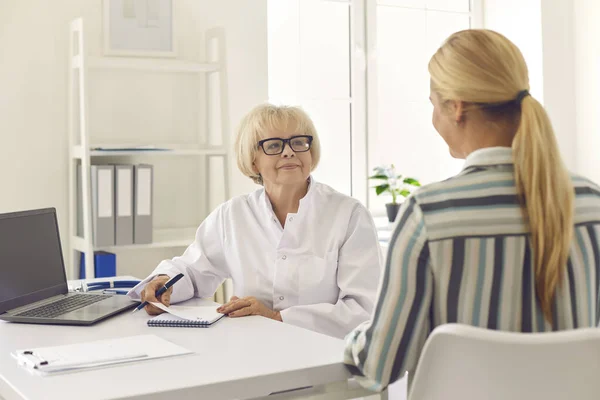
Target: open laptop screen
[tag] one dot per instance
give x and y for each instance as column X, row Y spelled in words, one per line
column 31, row 261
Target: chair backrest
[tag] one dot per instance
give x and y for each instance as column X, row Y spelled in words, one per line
column 468, row 363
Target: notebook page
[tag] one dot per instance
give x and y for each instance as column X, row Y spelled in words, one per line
column 206, row 313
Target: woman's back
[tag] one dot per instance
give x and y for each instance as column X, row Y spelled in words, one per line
column 511, row 243
column 462, row 252
column 481, row 257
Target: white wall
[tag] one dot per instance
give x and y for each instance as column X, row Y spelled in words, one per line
column 33, row 98
column 587, row 86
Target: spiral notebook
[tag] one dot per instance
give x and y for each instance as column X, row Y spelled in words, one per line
column 185, row 317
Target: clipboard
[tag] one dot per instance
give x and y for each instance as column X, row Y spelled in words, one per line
column 82, row 356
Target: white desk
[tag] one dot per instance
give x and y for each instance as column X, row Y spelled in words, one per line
column 239, row 358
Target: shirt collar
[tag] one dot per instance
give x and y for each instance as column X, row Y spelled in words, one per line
column 489, row 156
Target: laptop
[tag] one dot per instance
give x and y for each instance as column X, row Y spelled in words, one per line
column 33, row 284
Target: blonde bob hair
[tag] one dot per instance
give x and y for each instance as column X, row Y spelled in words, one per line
column 263, row 120
column 488, row 72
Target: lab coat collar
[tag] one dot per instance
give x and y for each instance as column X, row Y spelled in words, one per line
column 309, row 194
column 304, row 201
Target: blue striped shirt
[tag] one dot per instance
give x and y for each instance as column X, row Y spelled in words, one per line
column 460, row 253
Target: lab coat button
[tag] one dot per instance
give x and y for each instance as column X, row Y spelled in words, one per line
column 284, row 257
column 281, row 297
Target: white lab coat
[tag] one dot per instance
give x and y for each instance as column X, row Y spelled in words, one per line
column 321, row 271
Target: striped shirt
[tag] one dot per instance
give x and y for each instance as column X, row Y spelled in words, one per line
column 460, row 253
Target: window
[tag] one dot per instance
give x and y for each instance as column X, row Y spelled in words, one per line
column 359, row 68
column 309, row 66
column 404, row 34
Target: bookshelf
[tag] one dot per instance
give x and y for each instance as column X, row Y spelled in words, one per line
column 84, row 153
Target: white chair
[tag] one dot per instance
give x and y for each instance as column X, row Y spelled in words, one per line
column 461, row 362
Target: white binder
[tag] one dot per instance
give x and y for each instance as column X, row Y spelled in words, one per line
column 143, row 204
column 79, row 198
column 103, row 214
column 123, row 204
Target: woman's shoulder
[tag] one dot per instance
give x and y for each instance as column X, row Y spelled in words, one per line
column 239, row 203
column 243, row 201
column 334, row 198
column 587, row 200
column 583, row 184
column 467, row 187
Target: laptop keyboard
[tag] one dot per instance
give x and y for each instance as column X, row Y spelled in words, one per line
column 63, row 306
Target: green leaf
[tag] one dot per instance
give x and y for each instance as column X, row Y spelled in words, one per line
column 412, row 181
column 405, row 193
column 379, row 176
column 381, row 188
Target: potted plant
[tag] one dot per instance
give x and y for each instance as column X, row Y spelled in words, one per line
column 392, row 183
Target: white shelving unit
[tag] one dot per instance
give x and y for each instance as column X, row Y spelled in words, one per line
column 78, row 152
column 82, row 150
column 157, row 65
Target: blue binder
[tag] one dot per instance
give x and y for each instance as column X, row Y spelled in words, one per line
column 105, row 265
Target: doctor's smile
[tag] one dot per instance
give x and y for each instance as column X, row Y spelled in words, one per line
column 289, row 167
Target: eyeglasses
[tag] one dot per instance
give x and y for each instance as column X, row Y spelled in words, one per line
column 274, row 146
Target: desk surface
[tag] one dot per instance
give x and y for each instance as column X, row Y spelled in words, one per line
column 234, row 359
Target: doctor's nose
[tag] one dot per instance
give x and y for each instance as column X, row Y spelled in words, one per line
column 287, row 151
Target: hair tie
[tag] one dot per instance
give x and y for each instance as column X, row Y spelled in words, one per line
column 521, row 95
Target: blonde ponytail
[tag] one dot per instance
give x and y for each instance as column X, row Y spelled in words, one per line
column 487, row 72
column 546, row 194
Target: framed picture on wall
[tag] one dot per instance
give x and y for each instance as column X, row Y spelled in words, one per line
column 142, row 28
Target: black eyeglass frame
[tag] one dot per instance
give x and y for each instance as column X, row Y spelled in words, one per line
column 284, row 142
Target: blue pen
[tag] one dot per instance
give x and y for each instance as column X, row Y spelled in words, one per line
column 160, row 291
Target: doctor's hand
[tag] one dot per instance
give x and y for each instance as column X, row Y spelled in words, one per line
column 148, row 294
column 237, row 307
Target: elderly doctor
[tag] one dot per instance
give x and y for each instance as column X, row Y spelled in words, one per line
column 297, row 251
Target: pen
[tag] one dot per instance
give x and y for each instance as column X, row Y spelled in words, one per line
column 160, row 291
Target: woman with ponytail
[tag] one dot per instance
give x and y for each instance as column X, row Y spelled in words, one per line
column 511, row 243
